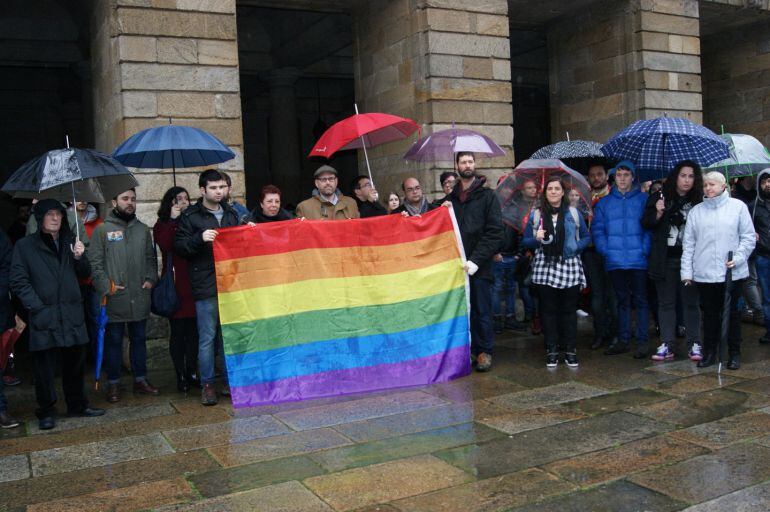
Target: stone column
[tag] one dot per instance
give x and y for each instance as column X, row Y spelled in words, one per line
column 618, row 61
column 436, row 62
column 152, row 61
column 285, row 164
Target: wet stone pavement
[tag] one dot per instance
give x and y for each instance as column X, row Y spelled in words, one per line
column 616, row 434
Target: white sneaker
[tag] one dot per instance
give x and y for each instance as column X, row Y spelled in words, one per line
column 695, row 352
column 581, row 313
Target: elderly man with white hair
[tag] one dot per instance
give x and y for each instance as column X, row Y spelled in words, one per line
column 716, row 227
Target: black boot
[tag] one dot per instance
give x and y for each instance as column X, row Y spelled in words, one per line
column 597, row 344
column 708, row 360
column 734, row 362
column 617, row 347
column 514, row 325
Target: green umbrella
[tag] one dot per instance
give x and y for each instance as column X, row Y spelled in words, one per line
column 747, row 156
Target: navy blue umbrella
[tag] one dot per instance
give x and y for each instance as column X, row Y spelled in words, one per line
column 171, row 146
column 657, row 145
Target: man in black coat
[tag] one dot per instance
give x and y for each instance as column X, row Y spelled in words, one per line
column 6, row 250
column 478, row 215
column 761, row 215
column 44, row 275
column 367, row 198
column 194, row 239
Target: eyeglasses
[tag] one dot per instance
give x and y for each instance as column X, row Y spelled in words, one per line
column 327, row 179
column 413, row 189
column 365, row 185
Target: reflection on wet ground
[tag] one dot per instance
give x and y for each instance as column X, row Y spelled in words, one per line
column 616, row 434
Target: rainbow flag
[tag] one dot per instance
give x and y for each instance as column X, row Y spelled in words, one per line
column 315, row 308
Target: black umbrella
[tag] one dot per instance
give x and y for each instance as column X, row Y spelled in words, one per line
column 70, row 173
column 577, row 154
column 726, row 309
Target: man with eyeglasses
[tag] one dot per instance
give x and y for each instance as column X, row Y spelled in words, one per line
column 415, row 202
column 366, row 197
column 327, row 202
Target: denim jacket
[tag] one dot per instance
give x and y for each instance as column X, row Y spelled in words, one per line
column 576, row 236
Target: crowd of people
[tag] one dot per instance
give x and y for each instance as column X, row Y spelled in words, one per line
column 663, row 248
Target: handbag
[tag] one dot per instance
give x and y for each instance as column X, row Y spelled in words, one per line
column 164, row 298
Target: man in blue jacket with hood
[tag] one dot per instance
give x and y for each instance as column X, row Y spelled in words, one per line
column 623, row 243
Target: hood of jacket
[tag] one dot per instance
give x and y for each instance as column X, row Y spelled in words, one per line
column 44, row 206
column 759, row 199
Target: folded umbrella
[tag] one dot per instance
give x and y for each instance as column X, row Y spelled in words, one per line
column 726, row 310
column 101, row 326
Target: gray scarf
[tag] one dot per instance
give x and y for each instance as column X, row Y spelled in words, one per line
column 412, row 211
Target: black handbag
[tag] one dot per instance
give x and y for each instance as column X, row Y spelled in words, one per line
column 164, row 299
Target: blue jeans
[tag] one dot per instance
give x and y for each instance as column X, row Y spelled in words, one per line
column 482, row 333
column 504, row 280
column 763, row 275
column 137, row 351
column 209, row 338
column 631, row 285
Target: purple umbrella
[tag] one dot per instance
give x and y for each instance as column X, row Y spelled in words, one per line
column 441, row 146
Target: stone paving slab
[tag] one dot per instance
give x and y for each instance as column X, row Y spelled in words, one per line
column 750, row 499
column 126, row 499
column 695, row 384
column 365, row 408
column 616, row 401
column 727, row 431
column 530, row 419
column 110, row 431
column 695, row 409
column 14, row 467
column 277, row 447
column 685, row 368
column 384, row 450
column 418, row 421
column 381, row 483
column 709, row 476
column 618, row 462
column 474, row 387
column 759, row 386
column 101, row 453
column 550, row 395
column 228, row 432
column 260, row 474
column 114, row 415
column 616, row 497
column 541, row 446
column 86, row 481
column 284, row 497
column 489, row 495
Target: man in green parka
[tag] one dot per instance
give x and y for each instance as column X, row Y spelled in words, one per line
column 124, row 269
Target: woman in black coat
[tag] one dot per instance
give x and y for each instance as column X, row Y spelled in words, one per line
column 269, row 208
column 666, row 215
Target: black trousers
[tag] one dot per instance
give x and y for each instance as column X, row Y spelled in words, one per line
column 183, row 345
column 712, row 296
column 73, row 365
column 558, row 315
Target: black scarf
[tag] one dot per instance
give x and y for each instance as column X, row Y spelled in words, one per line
column 126, row 217
column 555, row 250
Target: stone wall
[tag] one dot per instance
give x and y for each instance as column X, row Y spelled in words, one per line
column 736, row 81
column 622, row 60
column 437, row 62
column 160, row 59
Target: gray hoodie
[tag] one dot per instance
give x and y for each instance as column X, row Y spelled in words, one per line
column 715, row 227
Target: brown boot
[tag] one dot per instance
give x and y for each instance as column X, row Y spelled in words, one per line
column 143, row 387
column 208, row 395
column 113, row 393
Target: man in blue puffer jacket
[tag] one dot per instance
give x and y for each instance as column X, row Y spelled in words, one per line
column 623, row 243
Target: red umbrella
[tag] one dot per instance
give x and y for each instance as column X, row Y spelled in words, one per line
column 8, row 340
column 363, row 131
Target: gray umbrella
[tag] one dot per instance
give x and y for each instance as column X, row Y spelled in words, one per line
column 567, row 149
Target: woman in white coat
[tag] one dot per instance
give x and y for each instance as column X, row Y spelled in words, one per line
column 714, row 228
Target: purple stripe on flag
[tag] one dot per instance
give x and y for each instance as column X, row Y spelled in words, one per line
column 436, row 368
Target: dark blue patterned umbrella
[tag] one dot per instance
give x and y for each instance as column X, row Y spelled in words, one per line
column 566, row 149
column 657, row 145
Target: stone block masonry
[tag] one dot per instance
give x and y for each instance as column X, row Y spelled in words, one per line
column 161, row 59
